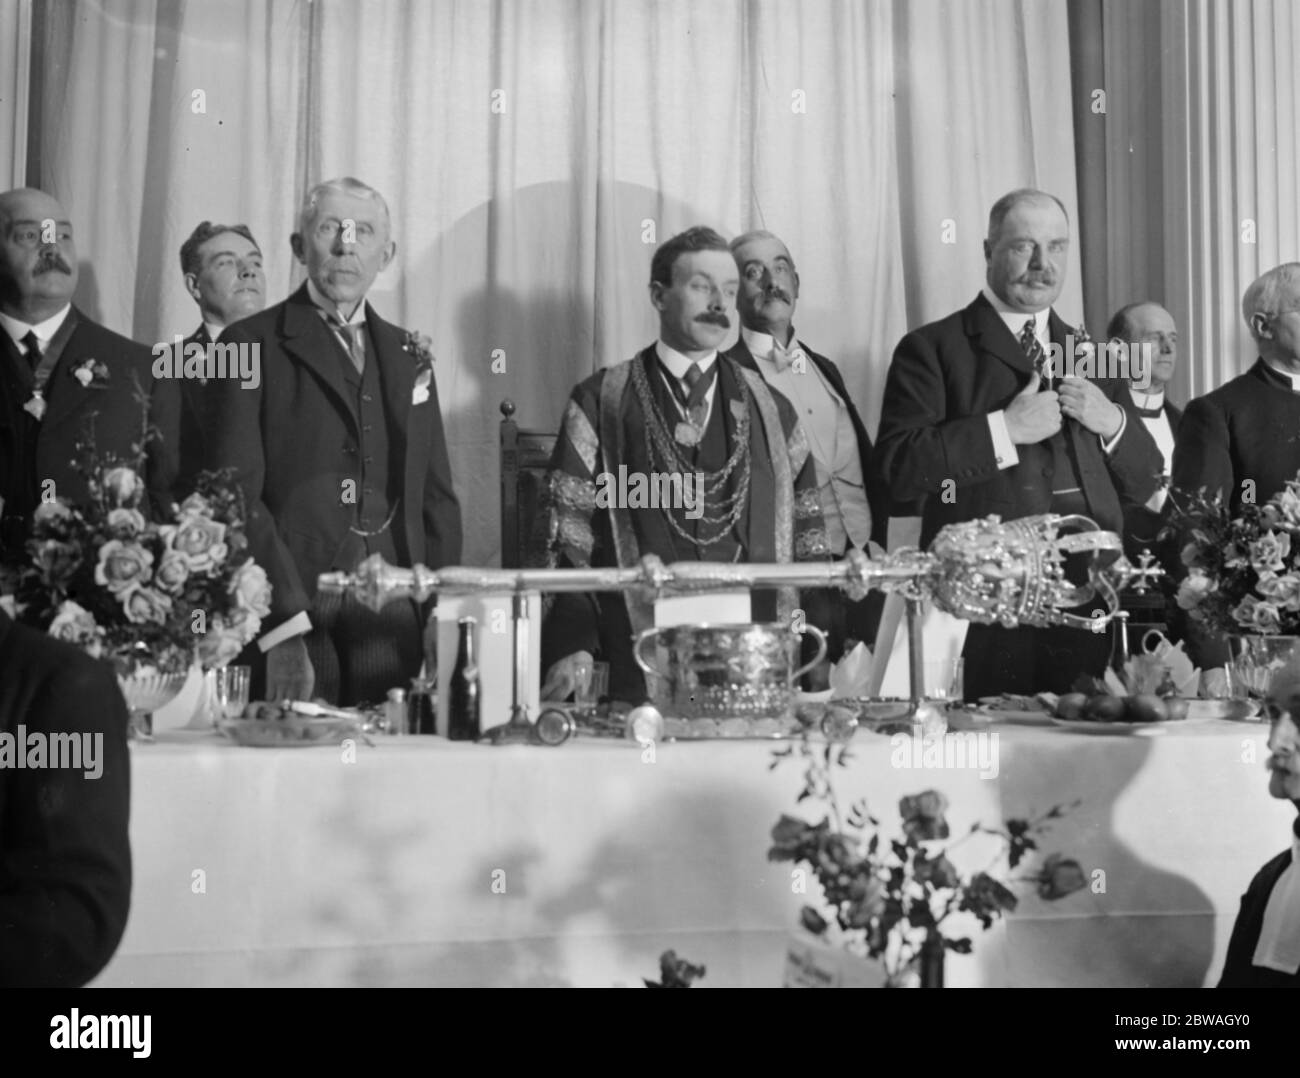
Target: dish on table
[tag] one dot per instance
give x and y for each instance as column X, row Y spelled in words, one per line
column 1088, row 726
column 1011, row 707
column 266, row 725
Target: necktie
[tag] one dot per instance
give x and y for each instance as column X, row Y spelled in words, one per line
column 352, row 335
column 1149, row 413
column 32, row 349
column 783, row 357
column 1033, row 348
column 697, row 384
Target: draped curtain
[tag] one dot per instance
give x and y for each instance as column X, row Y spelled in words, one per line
column 1188, row 178
column 15, row 81
column 534, row 154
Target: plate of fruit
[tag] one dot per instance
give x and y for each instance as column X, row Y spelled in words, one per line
column 1015, row 708
column 290, row 725
column 1093, row 708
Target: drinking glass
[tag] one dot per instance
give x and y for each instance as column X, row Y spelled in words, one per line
column 230, row 692
column 945, row 679
column 590, row 684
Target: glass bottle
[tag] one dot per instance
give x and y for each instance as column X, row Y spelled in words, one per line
column 463, row 692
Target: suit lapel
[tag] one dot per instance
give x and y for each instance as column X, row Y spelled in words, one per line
column 990, row 337
column 397, row 374
column 396, row 370
column 67, row 397
column 741, row 354
column 309, row 341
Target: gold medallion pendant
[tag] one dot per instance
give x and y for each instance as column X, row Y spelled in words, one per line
column 36, row 406
column 686, row 434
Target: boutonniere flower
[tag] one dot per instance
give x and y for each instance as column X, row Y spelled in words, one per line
column 91, row 373
column 420, row 348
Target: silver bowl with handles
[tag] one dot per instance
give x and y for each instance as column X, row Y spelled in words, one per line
column 743, row 671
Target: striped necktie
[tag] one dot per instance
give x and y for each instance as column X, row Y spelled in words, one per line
column 352, row 334
column 1033, row 348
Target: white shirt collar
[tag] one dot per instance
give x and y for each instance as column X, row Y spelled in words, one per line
column 1015, row 320
column 679, row 364
column 327, row 305
column 760, row 345
column 214, row 330
column 1147, row 400
column 1294, row 379
column 1278, row 947
column 44, row 331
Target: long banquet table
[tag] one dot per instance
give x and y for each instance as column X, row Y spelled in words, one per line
column 426, row 862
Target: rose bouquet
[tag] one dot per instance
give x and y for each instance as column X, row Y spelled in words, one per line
column 1243, row 572
column 897, row 900
column 102, row 576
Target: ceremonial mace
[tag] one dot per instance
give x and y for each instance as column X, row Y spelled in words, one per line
column 987, row 571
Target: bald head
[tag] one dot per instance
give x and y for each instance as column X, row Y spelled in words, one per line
column 1026, row 249
column 38, row 259
column 1147, row 323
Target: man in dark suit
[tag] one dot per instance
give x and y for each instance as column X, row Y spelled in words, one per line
column 222, row 265
column 1264, row 949
column 1243, row 439
column 65, row 857
column 976, row 420
column 340, row 452
column 65, row 379
column 854, row 503
column 1137, row 326
column 678, row 410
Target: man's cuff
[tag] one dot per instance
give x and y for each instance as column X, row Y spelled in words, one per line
column 297, row 625
column 1108, row 447
column 1004, row 449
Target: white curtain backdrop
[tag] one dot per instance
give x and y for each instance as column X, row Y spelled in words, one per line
column 15, row 83
column 535, row 153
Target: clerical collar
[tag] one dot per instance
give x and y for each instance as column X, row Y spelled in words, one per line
column 1148, row 402
column 1286, row 376
column 44, row 331
column 760, row 345
column 1015, row 320
column 356, row 318
column 678, row 364
column 214, row 330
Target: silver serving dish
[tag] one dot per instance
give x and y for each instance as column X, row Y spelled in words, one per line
column 725, row 676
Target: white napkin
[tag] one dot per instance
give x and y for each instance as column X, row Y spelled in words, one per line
column 850, row 678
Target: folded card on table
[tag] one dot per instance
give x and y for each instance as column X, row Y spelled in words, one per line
column 715, row 608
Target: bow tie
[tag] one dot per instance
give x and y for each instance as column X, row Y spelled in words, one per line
column 783, row 357
column 1149, row 413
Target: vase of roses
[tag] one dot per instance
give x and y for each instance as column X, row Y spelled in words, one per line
column 149, row 597
column 1243, row 579
column 900, row 900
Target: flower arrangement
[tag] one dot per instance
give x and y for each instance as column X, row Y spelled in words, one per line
column 896, row 900
column 103, row 577
column 1243, row 572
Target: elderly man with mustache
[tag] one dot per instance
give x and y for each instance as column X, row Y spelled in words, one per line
column 678, row 408
column 976, row 422
column 340, row 451
column 854, row 503
column 64, row 379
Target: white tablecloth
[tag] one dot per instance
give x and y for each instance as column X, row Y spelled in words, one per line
column 431, row 863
